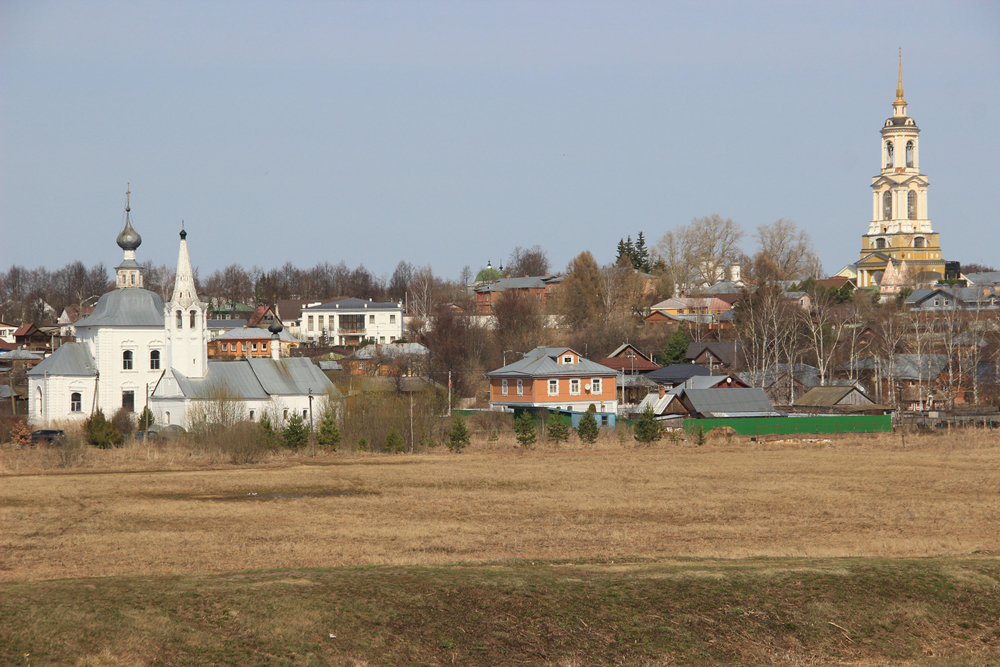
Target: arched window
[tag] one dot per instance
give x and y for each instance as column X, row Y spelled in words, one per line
column 879, row 243
column 75, row 402
column 192, row 318
column 918, row 242
column 887, row 205
column 909, row 154
column 127, row 360
column 180, row 320
column 888, row 154
column 911, row 205
column 154, row 360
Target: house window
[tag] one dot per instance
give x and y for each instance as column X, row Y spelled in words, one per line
column 911, row 205
column 553, row 387
column 305, row 414
column 75, row 402
column 392, row 319
column 263, row 347
column 568, row 359
column 520, row 388
column 128, row 400
column 180, row 320
column 127, row 360
column 503, row 387
column 251, row 415
column 381, row 339
column 284, row 415
column 371, row 319
column 154, row 360
column 595, row 386
column 253, row 347
column 244, row 345
column 574, row 387
column 310, row 325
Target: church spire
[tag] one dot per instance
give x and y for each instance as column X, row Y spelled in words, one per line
column 184, row 289
column 899, row 87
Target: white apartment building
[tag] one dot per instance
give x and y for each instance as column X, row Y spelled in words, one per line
column 351, row 321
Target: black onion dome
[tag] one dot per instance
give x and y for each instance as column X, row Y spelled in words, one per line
column 275, row 327
column 129, row 239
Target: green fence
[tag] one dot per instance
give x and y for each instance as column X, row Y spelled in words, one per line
column 796, row 425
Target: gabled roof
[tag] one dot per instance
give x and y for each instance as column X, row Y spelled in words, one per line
column 629, row 358
column 720, row 403
column 20, row 355
column 25, row 329
column 723, row 351
column 69, row 359
column 829, row 396
column 126, row 307
column 389, row 351
column 984, row 278
column 543, row 362
column 254, row 333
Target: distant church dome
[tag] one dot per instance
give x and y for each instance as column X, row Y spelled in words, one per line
column 488, row 274
column 129, row 239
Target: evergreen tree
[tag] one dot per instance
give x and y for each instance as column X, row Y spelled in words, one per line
column 458, row 436
column 587, row 430
column 146, row 419
column 626, row 250
column 295, row 433
column 524, row 429
column 558, row 429
column 647, row 429
column 328, row 435
column 102, row 433
column 640, row 254
column 394, row 442
column 675, row 351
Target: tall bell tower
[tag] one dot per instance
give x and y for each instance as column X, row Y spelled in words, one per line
column 900, row 229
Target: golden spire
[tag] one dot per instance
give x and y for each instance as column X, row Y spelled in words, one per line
column 899, row 89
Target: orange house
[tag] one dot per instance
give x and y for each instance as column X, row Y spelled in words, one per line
column 557, row 378
column 247, row 342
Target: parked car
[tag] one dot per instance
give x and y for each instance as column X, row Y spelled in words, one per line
column 149, row 435
column 47, row 435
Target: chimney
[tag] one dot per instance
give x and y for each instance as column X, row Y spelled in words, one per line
column 663, row 391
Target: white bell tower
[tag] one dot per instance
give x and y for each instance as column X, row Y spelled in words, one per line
column 186, row 321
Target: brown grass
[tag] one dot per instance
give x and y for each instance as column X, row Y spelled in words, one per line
column 152, row 510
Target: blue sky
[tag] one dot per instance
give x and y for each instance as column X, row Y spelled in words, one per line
column 447, row 133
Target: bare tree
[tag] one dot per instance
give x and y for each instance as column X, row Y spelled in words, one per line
column 699, row 253
column 790, row 248
column 533, row 261
column 400, row 281
column 519, row 324
column 422, row 292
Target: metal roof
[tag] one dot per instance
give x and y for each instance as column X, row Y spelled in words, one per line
column 69, row 359
column 729, row 402
column 295, row 375
column 355, row 304
column 828, row 396
column 676, row 373
column 257, row 379
column 126, row 307
column 19, row 355
column 389, row 351
column 245, row 333
column 542, row 362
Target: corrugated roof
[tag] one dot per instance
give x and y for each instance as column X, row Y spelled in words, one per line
column 126, row 307
column 290, row 376
column 827, row 396
column 19, row 355
column 69, row 359
column 255, row 333
column 729, row 402
column 257, row 379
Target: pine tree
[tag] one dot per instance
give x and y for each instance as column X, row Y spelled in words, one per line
column 587, row 430
column 394, row 442
column 146, row 419
column 640, row 255
column 102, row 433
column 458, row 436
column 328, row 435
column 295, row 433
column 558, row 429
column 675, row 351
column 524, row 429
column 647, row 429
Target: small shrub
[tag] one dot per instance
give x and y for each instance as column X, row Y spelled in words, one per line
column 246, row 443
column 124, row 421
column 102, row 433
column 558, row 428
column 699, row 435
column 588, row 429
column 394, row 442
column 362, row 445
column 458, row 435
column 328, row 435
column 295, row 433
column 19, row 433
column 146, row 419
column 426, row 440
column 71, row 450
column 524, row 428
column 720, row 433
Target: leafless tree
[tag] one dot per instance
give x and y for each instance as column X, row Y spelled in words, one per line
column 422, row 293
column 533, row 261
column 699, row 253
column 790, row 248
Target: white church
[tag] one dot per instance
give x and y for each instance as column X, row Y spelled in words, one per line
column 133, row 351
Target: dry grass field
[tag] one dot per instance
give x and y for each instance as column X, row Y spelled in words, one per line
column 157, row 511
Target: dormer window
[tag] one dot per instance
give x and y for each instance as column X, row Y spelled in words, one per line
column 568, row 359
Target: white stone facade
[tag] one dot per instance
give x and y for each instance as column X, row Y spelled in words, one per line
column 351, row 321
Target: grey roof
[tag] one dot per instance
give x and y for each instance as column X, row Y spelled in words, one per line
column 69, row 359
column 963, row 294
column 803, row 373
column 528, row 282
column 924, row 367
column 984, row 278
column 126, row 307
column 390, row 350
column 723, row 351
column 725, row 287
column 828, row 396
column 677, row 373
column 245, row 332
column 329, row 365
column 19, row 355
column 257, row 379
column 626, row 380
column 729, row 402
column 542, row 362
column 355, row 304
column 225, row 324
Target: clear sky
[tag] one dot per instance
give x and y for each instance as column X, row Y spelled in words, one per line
column 446, row 133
